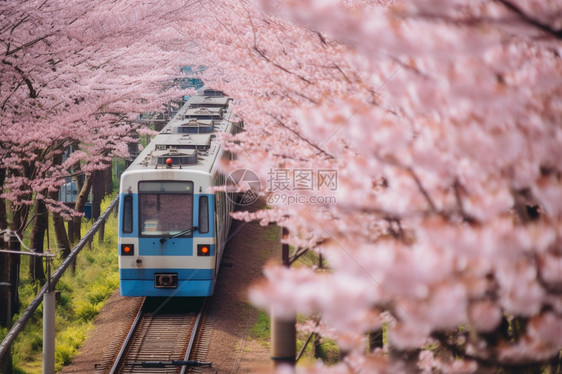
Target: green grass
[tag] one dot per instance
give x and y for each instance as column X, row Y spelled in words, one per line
column 80, row 297
column 261, row 331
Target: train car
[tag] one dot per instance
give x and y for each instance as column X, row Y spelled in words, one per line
column 172, row 225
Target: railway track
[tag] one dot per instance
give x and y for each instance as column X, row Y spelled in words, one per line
column 162, row 337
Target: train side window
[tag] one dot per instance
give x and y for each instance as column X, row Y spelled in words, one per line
column 128, row 214
column 203, row 214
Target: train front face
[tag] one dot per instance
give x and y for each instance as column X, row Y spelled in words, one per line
column 166, row 236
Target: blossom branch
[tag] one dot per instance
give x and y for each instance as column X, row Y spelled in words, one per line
column 32, row 92
column 302, row 137
column 533, row 22
column 262, row 54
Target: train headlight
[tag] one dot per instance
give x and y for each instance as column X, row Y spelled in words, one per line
column 127, row 249
column 203, row 250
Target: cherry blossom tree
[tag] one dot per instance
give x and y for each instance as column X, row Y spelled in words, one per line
column 75, row 74
column 442, row 120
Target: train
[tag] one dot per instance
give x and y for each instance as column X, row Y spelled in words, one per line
column 173, row 225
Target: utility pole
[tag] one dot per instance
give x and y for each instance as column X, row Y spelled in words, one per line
column 49, row 304
column 283, row 331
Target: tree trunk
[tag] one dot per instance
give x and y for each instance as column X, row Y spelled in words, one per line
column 98, row 192
column 5, row 301
column 5, row 313
column 108, row 180
column 40, row 225
column 63, row 244
column 14, row 245
column 19, row 215
column 79, row 207
column 3, row 215
column 5, row 291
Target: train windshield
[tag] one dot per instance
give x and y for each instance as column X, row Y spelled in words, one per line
column 165, row 208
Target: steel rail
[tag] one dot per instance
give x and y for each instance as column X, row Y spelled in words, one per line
column 193, row 336
column 127, row 339
column 153, row 361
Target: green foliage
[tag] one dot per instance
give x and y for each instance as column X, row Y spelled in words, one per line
column 272, row 234
column 63, row 356
column 36, row 342
column 68, row 342
column 329, row 351
column 28, row 343
column 87, row 311
column 102, row 290
column 80, row 297
column 261, row 331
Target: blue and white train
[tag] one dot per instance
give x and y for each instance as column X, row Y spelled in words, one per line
column 172, row 226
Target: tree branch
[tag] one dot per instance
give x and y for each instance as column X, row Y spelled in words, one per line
column 342, row 73
column 29, row 44
column 422, row 189
column 302, row 137
column 280, row 66
column 531, row 21
column 32, row 92
column 10, row 95
column 458, row 188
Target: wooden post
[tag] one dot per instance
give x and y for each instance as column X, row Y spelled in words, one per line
column 101, row 233
column 316, row 347
column 283, row 331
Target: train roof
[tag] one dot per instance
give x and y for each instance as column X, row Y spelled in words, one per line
column 210, row 101
column 183, row 141
column 203, row 113
column 189, row 140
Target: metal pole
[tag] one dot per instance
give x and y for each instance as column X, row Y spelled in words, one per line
column 49, row 303
column 283, row 331
column 49, row 332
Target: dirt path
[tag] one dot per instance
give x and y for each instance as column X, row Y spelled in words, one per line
column 232, row 348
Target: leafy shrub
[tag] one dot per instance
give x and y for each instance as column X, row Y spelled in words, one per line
column 87, row 311
column 100, row 291
column 63, row 355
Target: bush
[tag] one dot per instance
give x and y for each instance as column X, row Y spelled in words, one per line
column 87, row 311
column 102, row 290
column 63, row 355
